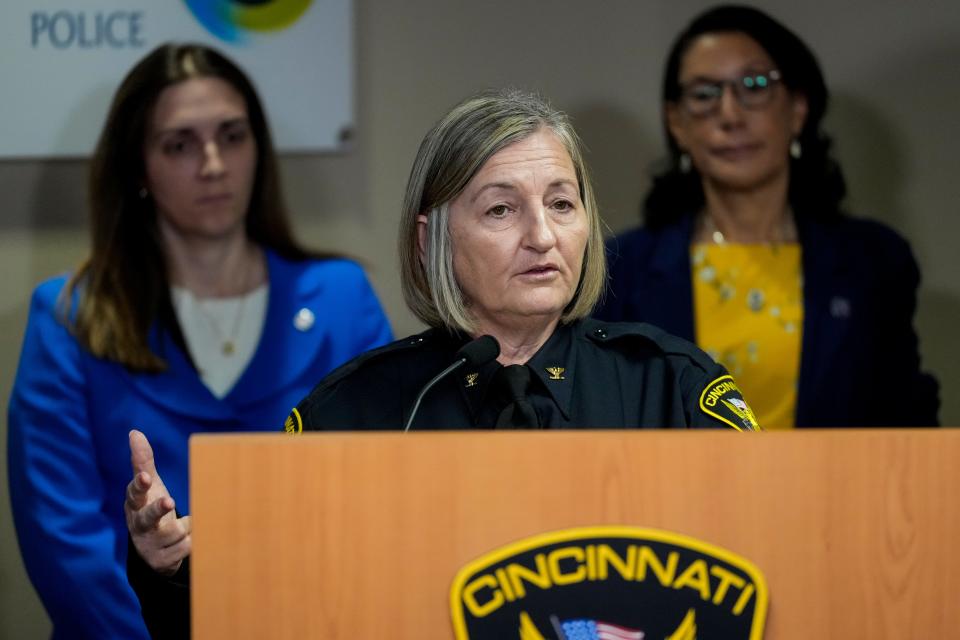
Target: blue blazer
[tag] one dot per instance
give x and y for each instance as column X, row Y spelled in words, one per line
column 859, row 364
column 69, row 415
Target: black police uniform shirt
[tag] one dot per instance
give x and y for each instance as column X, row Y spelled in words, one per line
column 589, row 375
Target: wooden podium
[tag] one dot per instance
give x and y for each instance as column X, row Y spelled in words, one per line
column 359, row 535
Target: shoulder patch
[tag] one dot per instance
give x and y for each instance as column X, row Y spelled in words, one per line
column 721, row 399
column 293, row 425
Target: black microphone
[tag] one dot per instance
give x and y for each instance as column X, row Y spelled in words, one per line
column 476, row 353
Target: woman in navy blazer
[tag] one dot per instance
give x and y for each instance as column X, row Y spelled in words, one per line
column 859, row 363
column 749, row 164
column 185, row 203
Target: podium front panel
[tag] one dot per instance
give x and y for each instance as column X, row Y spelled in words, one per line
column 360, row 535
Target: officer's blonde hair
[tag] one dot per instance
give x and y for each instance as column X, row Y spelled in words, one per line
column 452, row 152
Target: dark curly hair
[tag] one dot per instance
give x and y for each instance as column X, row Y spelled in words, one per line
column 817, row 186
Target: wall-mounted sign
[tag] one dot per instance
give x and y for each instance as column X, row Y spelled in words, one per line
column 60, row 63
column 604, row 583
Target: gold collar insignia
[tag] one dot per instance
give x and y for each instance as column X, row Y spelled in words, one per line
column 556, row 373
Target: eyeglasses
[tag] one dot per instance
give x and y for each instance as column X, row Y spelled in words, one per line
column 753, row 91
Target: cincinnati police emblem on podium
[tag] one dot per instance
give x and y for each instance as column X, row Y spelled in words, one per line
column 616, row 583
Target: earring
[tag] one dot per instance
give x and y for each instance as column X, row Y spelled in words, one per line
column 796, row 151
column 143, row 193
column 684, row 163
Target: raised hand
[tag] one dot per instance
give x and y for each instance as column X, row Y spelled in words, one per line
column 160, row 537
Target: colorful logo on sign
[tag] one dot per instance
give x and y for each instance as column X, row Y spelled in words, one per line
column 230, row 20
column 609, row 582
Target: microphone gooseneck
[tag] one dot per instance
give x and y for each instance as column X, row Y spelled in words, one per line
column 476, row 353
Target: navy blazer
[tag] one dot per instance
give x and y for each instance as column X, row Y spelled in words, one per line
column 859, row 364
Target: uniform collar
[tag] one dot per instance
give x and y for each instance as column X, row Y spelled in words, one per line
column 474, row 383
column 555, row 363
column 552, row 368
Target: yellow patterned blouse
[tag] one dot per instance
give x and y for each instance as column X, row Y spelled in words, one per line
column 748, row 314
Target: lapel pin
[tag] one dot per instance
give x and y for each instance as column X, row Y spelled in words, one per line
column 840, row 307
column 304, row 319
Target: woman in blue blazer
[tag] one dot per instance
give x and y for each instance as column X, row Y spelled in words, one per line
column 195, row 312
column 743, row 101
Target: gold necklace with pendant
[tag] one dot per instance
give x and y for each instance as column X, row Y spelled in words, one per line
column 228, row 344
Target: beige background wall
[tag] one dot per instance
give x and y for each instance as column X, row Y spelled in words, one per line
column 891, row 66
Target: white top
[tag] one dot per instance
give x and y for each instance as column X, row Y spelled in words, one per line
column 221, row 333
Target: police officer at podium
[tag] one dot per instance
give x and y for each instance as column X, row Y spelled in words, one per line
column 502, row 256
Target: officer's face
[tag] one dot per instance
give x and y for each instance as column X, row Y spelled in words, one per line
column 519, row 232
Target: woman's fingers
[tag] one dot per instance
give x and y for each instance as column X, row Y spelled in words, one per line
column 149, row 517
column 138, row 490
column 168, row 560
column 141, row 454
column 162, row 539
